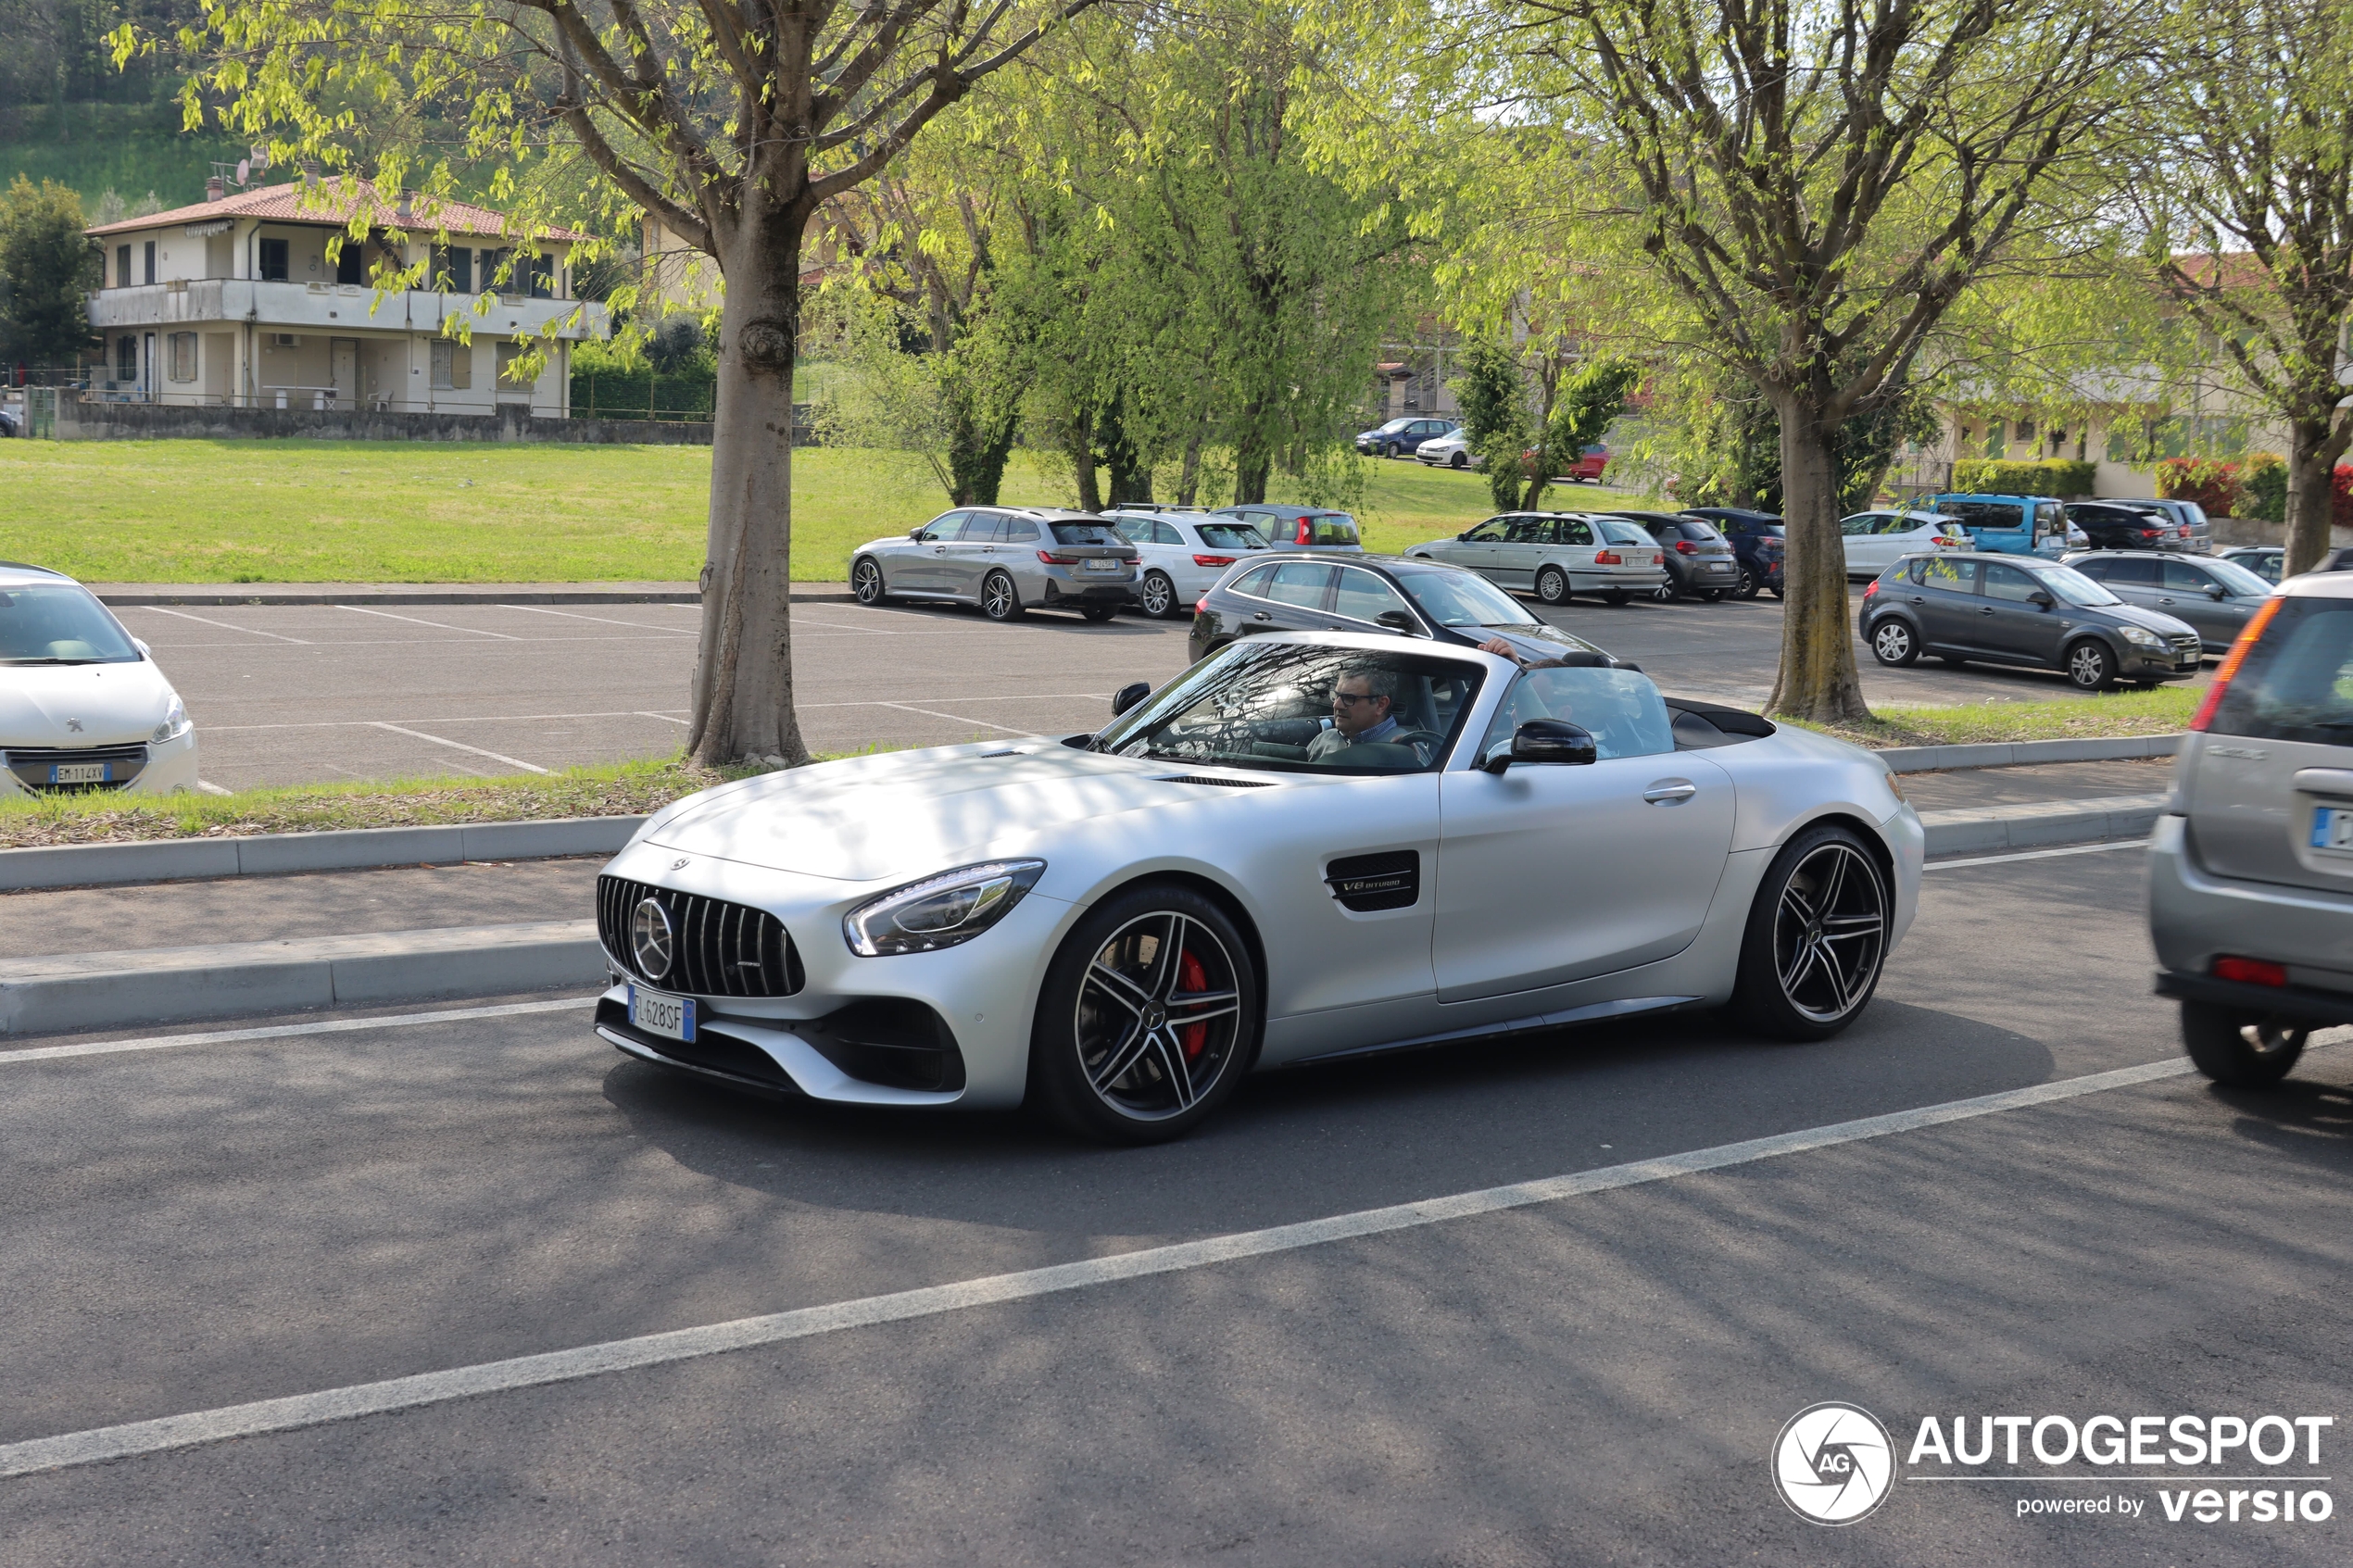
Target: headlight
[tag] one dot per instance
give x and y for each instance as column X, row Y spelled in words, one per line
column 939, row 911
column 2140, row 637
column 175, row 723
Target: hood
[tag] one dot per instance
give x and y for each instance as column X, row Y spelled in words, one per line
column 2155, row 620
column 911, row 813
column 114, row 704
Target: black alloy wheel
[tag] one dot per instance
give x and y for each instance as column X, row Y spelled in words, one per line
column 1158, row 595
column 2245, row 1052
column 1748, row 584
column 866, row 581
column 1893, row 642
column 2089, row 667
column 1817, row 937
column 1000, row 600
column 1147, row 1019
column 1552, row 586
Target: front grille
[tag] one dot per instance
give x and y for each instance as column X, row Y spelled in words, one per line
column 718, row 948
column 31, row 764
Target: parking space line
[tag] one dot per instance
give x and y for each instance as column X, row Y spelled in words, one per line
column 2036, row 855
column 362, row 610
column 286, row 1031
column 294, row 1412
column 460, row 746
column 443, row 719
column 208, row 787
column 159, row 610
column 601, row 619
column 958, row 718
column 667, row 719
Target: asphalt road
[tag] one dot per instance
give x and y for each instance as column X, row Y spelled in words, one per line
column 1592, row 1379
column 304, row 694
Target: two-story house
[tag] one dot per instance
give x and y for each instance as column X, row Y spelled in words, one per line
column 234, row 302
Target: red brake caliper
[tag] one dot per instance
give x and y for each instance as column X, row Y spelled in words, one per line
column 1191, row 976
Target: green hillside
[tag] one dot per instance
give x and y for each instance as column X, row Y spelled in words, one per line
column 129, row 148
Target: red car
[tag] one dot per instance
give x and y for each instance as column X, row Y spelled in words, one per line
column 1588, row 466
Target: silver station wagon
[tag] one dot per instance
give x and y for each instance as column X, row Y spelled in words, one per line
column 1554, row 554
column 1005, row 559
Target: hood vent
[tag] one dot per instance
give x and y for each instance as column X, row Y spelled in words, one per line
column 1221, row 784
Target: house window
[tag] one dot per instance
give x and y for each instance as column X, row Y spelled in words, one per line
column 183, row 356
column 510, row 379
column 2026, row 430
column 351, row 263
column 151, row 261
column 126, row 358
column 455, row 265
column 273, row 261
column 543, row 277
column 452, row 366
column 122, row 267
column 494, row 262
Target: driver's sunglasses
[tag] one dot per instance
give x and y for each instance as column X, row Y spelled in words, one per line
column 1353, row 697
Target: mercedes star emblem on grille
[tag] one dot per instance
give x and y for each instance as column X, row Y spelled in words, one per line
column 650, row 938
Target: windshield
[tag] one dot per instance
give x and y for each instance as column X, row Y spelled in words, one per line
column 1394, row 426
column 2296, row 683
column 2237, row 578
column 1231, row 536
column 1457, row 598
column 59, row 625
column 2075, row 588
column 1297, row 708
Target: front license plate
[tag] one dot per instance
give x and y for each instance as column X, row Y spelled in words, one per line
column 1098, row 564
column 658, row 1012
column 2332, row 830
column 80, row 772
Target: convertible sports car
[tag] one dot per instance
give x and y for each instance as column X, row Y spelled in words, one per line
column 1309, row 846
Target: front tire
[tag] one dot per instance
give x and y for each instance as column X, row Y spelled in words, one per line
column 866, row 581
column 1552, row 586
column 1000, row 600
column 1147, row 1019
column 1893, row 645
column 1458, row 462
column 2231, row 1047
column 2089, row 667
column 1158, row 595
column 1817, row 937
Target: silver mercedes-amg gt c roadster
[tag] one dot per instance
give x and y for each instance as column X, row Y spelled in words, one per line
column 1309, row 846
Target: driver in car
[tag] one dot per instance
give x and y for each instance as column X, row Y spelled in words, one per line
column 1364, row 712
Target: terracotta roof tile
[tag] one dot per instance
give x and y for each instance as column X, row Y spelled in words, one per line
column 285, row 202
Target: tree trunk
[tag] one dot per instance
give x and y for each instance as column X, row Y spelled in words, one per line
column 1818, row 680
column 1131, row 476
column 2314, row 445
column 1082, row 463
column 1254, row 461
column 1188, row 476
column 988, row 464
column 743, row 691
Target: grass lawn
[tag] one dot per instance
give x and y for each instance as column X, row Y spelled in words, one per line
column 2166, row 710
column 349, row 511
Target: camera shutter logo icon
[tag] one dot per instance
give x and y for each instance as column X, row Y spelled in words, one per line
column 1833, row 1463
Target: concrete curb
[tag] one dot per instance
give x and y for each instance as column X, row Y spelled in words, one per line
column 245, row 979
column 126, row 595
column 2013, row 754
column 1979, row 829
column 275, row 854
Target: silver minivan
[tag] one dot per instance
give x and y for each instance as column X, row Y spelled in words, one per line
column 2251, row 870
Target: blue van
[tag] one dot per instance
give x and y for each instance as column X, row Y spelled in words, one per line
column 2014, row 525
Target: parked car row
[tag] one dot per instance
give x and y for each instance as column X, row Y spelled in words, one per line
column 2022, row 611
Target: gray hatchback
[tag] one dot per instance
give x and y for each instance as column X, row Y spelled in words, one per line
column 2251, row 870
column 2215, row 595
column 2021, row 610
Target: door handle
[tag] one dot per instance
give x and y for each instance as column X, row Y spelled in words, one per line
column 1671, row 792
column 1263, row 615
column 939, row 549
column 1985, row 609
column 2165, row 601
column 2323, row 781
column 1919, row 598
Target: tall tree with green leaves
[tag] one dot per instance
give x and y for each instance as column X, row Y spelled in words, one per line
column 2246, row 192
column 47, row 265
column 733, row 122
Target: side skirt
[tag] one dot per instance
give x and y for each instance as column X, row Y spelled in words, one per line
column 1595, row 1012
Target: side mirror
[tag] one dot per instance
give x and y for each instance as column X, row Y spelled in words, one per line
column 2216, row 591
column 144, row 651
column 2041, row 599
column 1543, row 740
column 916, row 535
column 1128, row 697
column 1396, row 620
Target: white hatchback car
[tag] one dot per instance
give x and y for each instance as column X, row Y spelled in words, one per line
column 1452, row 451
column 1875, row 540
column 1180, row 555
column 83, row 707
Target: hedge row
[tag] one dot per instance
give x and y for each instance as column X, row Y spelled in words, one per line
column 1994, row 476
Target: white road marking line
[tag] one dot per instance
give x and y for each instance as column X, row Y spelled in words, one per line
column 248, row 631
column 646, row 713
column 2038, row 855
column 460, row 746
column 958, row 718
column 799, row 621
column 294, row 1412
column 440, row 719
column 286, row 1031
column 438, row 625
column 210, row 788
column 601, row 619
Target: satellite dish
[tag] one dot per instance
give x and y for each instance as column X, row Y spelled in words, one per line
column 245, row 170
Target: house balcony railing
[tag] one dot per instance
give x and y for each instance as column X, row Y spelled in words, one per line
column 338, row 308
